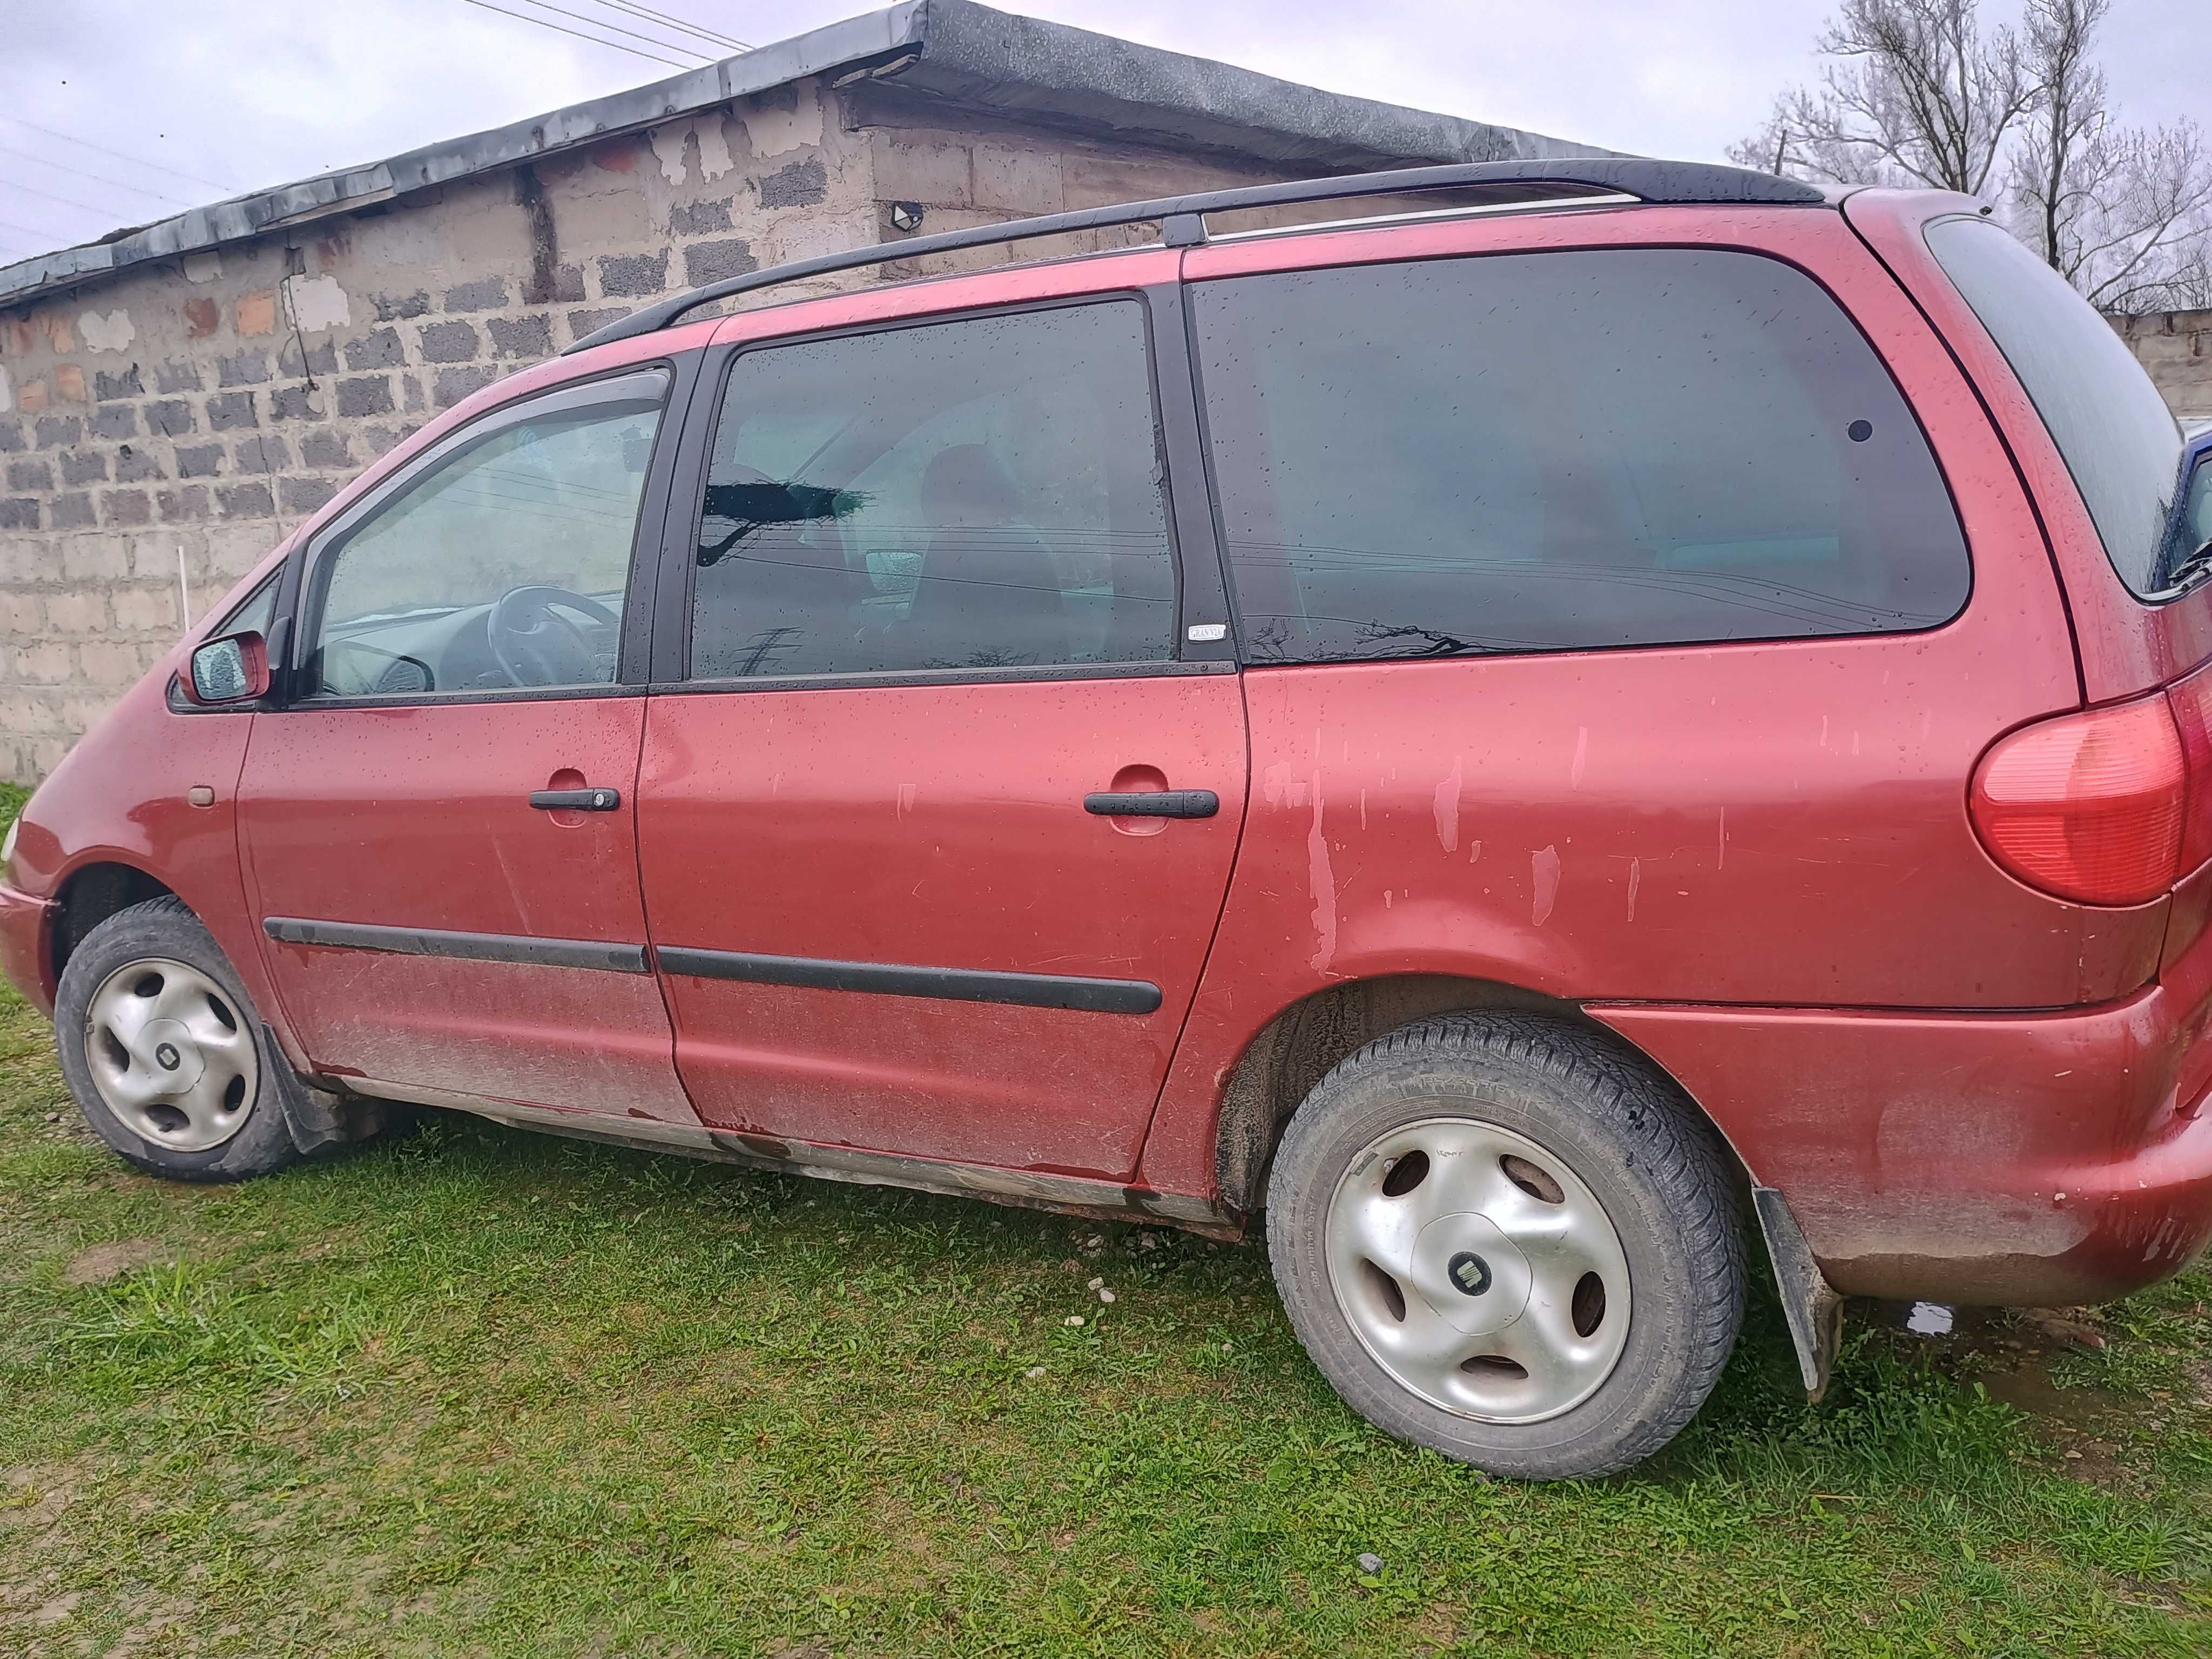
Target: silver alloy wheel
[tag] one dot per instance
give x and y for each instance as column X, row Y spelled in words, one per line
column 1479, row 1270
column 170, row 1054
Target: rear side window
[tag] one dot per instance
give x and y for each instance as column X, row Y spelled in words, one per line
column 2120, row 441
column 1558, row 451
column 979, row 494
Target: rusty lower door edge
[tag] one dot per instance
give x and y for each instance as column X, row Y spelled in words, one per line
column 1104, row 1201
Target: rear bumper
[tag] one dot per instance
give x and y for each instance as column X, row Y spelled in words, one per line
column 2036, row 1160
column 26, row 946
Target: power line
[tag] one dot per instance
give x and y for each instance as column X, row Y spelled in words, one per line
column 611, row 45
column 678, row 23
column 49, row 239
column 64, row 200
column 666, row 21
column 544, row 5
column 98, row 178
column 138, row 161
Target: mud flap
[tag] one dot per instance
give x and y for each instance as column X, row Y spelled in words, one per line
column 1810, row 1303
column 317, row 1118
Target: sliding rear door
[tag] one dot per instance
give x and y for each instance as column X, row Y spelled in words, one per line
column 933, row 624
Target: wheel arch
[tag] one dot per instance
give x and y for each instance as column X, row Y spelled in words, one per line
column 89, row 895
column 1307, row 1038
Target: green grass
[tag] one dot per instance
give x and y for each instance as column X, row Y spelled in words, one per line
column 473, row 1391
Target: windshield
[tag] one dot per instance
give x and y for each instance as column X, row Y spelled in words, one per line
column 2119, row 440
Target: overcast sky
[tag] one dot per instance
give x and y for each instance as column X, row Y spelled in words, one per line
column 173, row 103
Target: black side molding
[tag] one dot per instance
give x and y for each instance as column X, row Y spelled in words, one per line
column 1099, row 996
column 1154, row 804
column 468, row 947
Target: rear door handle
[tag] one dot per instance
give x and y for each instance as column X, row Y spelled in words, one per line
column 1154, row 804
column 575, row 800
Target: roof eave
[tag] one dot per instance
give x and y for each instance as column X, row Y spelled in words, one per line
column 853, row 45
column 1030, row 69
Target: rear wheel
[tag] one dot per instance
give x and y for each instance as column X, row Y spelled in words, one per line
column 164, row 1053
column 1501, row 1236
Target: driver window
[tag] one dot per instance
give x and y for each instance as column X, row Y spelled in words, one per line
column 501, row 566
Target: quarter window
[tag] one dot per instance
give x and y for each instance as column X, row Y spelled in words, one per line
column 2119, row 440
column 254, row 614
column 1553, row 451
column 503, row 564
column 979, row 494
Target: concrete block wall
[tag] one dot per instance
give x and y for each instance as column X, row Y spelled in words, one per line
column 162, row 431
column 2176, row 347
column 964, row 170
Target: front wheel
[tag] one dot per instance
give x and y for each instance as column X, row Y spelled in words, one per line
column 163, row 1051
column 1500, row 1236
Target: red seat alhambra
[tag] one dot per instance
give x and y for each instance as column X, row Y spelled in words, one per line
column 1635, row 708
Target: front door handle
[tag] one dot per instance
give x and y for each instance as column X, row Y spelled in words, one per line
column 1153, row 804
column 575, row 800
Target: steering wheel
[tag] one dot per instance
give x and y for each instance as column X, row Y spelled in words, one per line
column 535, row 645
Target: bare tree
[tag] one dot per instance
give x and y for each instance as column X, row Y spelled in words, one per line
column 2122, row 213
column 1918, row 92
column 2067, row 120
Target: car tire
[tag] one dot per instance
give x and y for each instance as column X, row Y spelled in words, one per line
column 1443, row 1172
column 199, row 1092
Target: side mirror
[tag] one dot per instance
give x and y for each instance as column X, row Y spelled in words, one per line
column 2187, row 552
column 233, row 669
column 2192, row 511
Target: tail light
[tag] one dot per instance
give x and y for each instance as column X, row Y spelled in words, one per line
column 2193, row 713
column 2092, row 806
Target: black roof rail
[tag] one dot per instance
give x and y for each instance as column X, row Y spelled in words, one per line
column 1183, row 223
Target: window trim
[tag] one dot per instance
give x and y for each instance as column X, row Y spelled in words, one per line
column 880, row 678
column 308, row 567
column 1197, row 572
column 1843, row 309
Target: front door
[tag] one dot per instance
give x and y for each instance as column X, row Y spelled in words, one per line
column 936, row 833
column 439, row 825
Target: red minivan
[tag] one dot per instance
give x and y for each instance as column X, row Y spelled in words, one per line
column 1523, row 738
